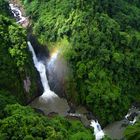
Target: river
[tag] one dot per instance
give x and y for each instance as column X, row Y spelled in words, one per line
column 50, row 102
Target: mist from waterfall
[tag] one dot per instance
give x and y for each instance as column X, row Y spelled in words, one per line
column 42, row 71
column 49, row 101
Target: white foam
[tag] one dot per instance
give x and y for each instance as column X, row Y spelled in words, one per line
column 17, row 13
column 98, row 132
column 48, row 94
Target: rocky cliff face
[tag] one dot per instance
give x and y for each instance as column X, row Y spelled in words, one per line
column 31, row 85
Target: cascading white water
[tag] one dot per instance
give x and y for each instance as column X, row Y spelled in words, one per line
column 42, row 71
column 49, row 101
column 98, row 132
column 135, row 112
column 17, row 13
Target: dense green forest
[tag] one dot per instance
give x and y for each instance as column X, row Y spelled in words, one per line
column 18, row 122
column 22, row 123
column 101, row 40
column 14, row 60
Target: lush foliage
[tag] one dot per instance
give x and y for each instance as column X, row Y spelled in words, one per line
column 133, row 132
column 4, row 7
column 23, row 123
column 5, row 98
column 103, row 50
column 18, row 122
column 15, row 59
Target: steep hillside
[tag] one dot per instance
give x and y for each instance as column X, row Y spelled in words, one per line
column 19, row 84
column 102, row 46
column 17, row 73
column 22, row 123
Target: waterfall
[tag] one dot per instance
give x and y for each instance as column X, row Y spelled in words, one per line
column 132, row 115
column 17, row 13
column 42, row 71
column 98, row 132
column 49, row 101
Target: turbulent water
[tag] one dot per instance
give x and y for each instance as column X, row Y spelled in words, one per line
column 116, row 129
column 17, row 13
column 49, row 101
column 99, row 134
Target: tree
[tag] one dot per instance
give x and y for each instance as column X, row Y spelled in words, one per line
column 22, row 122
column 133, row 132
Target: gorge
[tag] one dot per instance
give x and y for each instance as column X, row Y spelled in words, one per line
column 50, row 102
column 69, row 67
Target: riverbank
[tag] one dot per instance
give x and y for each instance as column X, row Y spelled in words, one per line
column 46, row 106
column 49, row 101
column 25, row 22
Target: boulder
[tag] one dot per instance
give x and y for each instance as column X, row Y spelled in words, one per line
column 132, row 116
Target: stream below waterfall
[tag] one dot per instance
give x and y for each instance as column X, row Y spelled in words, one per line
column 50, row 102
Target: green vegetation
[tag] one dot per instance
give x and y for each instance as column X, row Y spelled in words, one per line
column 101, row 42
column 15, row 60
column 133, row 132
column 22, row 123
column 4, row 8
column 103, row 49
column 19, row 122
